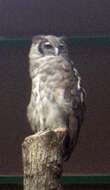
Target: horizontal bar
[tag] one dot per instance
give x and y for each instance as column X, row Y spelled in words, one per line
column 4, row 41
column 89, row 40
column 67, row 180
column 86, row 179
column 75, row 40
column 15, row 180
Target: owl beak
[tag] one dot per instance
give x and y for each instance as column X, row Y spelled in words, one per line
column 56, row 51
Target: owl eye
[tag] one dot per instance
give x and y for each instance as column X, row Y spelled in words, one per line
column 61, row 46
column 47, row 45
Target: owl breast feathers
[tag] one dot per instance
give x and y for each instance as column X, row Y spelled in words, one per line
column 57, row 98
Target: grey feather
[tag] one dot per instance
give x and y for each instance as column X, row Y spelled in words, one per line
column 57, row 98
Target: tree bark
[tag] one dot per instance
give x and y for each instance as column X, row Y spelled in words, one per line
column 42, row 160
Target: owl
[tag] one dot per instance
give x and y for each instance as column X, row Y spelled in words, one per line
column 57, row 97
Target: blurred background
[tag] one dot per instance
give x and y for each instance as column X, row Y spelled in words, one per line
column 72, row 18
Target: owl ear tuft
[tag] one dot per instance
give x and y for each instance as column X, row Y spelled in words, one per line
column 64, row 38
column 37, row 38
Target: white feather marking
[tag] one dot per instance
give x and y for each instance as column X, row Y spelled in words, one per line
column 38, row 89
column 75, row 71
column 47, row 43
column 56, row 51
column 82, row 97
column 79, row 83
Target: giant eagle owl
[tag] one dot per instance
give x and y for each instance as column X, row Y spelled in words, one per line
column 57, row 97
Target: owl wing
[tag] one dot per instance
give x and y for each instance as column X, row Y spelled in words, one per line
column 75, row 118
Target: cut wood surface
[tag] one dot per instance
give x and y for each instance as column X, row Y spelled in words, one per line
column 42, row 160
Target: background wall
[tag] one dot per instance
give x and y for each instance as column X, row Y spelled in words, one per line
column 72, row 17
column 92, row 152
column 26, row 18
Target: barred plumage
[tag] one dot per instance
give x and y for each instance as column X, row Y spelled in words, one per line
column 57, row 98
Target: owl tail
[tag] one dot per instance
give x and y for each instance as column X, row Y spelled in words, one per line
column 66, row 147
column 69, row 142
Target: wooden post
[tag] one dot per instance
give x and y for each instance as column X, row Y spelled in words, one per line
column 42, row 160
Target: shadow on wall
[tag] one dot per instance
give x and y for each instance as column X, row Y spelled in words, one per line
column 15, row 86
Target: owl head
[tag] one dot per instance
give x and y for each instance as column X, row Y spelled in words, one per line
column 49, row 45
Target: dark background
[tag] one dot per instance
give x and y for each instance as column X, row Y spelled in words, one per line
column 92, row 154
column 76, row 187
column 72, row 17
column 26, row 18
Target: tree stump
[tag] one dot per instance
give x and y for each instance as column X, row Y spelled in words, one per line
column 42, row 160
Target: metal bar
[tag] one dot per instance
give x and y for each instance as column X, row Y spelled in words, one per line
column 74, row 40
column 67, row 180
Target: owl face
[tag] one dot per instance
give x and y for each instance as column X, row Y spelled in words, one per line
column 47, row 46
